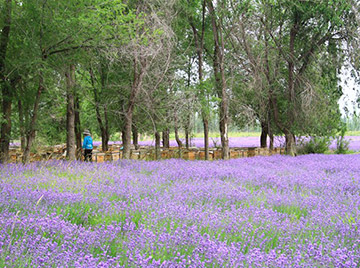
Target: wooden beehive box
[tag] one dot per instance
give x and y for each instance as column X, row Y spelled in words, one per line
column 134, row 154
column 201, row 155
column 191, row 155
column 234, row 154
column 100, row 157
column 107, row 157
column 13, row 158
column 251, row 152
column 115, row 156
column 165, row 154
column 217, row 154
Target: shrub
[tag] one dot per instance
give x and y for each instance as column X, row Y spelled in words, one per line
column 342, row 145
column 314, row 145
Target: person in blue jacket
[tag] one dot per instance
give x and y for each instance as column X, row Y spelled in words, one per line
column 87, row 146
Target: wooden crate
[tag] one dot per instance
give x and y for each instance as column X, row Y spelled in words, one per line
column 234, row 154
column 165, row 155
column 189, row 155
column 243, row 153
column 217, row 154
column 107, row 157
column 251, row 152
column 192, row 155
column 100, row 157
column 201, row 155
column 115, row 156
column 13, row 158
column 135, row 155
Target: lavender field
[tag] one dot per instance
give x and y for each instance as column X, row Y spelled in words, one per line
column 274, row 211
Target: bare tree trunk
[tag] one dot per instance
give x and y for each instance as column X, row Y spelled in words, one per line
column 157, row 145
column 206, row 137
column 30, row 136
column 77, row 128
column 290, row 144
column 135, row 137
column 6, row 91
column 177, row 138
column 187, row 119
column 220, row 80
column 21, row 125
column 187, row 136
column 271, row 135
column 70, row 114
column 127, row 133
column 264, row 134
column 123, row 137
column 166, row 138
column 6, row 125
column 135, row 88
column 104, row 126
column 105, row 135
column 199, row 43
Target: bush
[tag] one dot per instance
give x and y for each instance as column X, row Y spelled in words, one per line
column 314, row 145
column 342, row 145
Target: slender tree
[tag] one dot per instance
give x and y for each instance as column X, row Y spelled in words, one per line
column 6, row 89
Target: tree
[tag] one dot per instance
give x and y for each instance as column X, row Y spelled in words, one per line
column 149, row 38
column 5, row 83
column 70, row 113
column 219, row 73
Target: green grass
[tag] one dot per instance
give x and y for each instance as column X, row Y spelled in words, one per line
column 291, row 210
column 353, row 133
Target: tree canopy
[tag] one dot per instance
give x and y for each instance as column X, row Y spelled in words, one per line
column 150, row 66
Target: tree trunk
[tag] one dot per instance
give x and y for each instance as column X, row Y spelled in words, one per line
column 77, row 128
column 166, row 138
column 157, row 145
column 30, row 136
column 220, row 81
column 264, row 134
column 123, row 137
column 187, row 137
column 139, row 70
column 104, row 126
column 177, row 138
column 6, row 125
column 21, row 125
column 206, row 137
column 105, row 135
column 199, row 44
column 6, row 90
column 135, row 137
column 271, row 146
column 70, row 114
column 290, row 144
column 127, row 134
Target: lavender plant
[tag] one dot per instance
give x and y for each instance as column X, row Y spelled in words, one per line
column 253, row 212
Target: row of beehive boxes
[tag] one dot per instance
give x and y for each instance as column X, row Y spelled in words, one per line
column 185, row 154
column 149, row 154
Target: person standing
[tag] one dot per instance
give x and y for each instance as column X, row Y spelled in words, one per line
column 87, row 146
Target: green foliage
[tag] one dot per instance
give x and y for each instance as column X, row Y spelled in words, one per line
column 106, row 36
column 314, row 145
column 342, row 145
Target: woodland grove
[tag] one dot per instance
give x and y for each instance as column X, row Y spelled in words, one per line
column 148, row 66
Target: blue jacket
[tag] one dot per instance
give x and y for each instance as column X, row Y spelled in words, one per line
column 88, row 143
